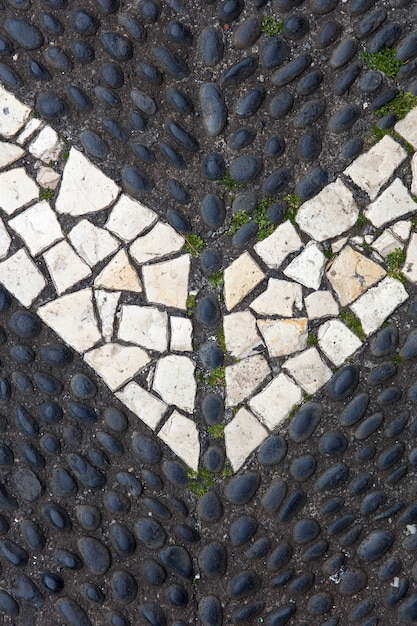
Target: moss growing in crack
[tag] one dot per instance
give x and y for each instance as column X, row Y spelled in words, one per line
column 260, row 215
column 238, row 220
column 312, row 340
column 191, row 304
column 217, row 279
column 362, row 220
column 395, row 261
column 46, row 194
column 221, row 340
column 329, row 254
column 271, row 26
column 402, row 104
column 397, row 359
column 228, row 183
column 293, row 411
column 352, row 322
column 216, row 431
column 217, row 377
column 65, row 156
column 200, row 482
column 294, row 202
column 384, row 61
column 193, row 244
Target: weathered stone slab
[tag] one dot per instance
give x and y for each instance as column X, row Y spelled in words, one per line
column 407, row 127
column 284, row 337
column 240, row 277
column 117, row 364
column 21, row 277
column 161, row 241
column 13, row 114
column 29, row 130
column 386, row 243
column 410, row 266
column 393, row 203
column 308, row 370
column 337, row 341
column 65, row 266
column 281, row 297
column 181, row 334
column 274, row 249
column 321, row 304
column 181, row 435
column 47, row 178
column 17, row 190
column 107, row 303
column 378, row 303
column 174, row 381
column 92, row 243
column 5, row 240
column 119, row 274
column 241, row 334
column 9, row 153
column 47, row 145
column 145, row 405
column 145, row 326
column 274, row 403
column 38, row 227
column 243, row 378
column 402, row 229
column 241, row 436
column 129, row 218
column 167, row 282
column 307, row 268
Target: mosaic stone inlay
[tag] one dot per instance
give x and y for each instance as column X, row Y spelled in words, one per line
column 117, row 290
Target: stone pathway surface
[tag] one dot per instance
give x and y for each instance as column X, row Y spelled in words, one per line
column 143, row 373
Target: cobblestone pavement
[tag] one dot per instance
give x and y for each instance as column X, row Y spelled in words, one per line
column 208, row 313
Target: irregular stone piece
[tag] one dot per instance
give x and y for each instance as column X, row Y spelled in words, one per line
column 280, row 297
column 274, row 403
column 242, row 435
column 161, row 241
column 144, row 404
column 116, row 363
column 321, row 304
column 181, row 334
column 65, row 266
column 307, row 267
column 119, row 275
column 240, row 277
column 337, row 341
column 84, row 188
column 9, row 153
column 329, row 214
column 129, row 218
column 144, row 326
column 244, row 377
column 241, row 335
column 167, row 282
column 181, row 435
column 17, row 190
column 394, row 202
column 351, row 274
column 93, row 244
column 275, row 248
column 308, row 370
column 374, row 306
column 174, row 381
column 13, row 114
column 47, row 145
column 407, row 128
column 284, row 337
column 20, row 276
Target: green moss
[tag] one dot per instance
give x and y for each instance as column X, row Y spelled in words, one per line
column 312, row 340
column 221, row 340
column 293, row 411
column 384, row 61
column 361, row 221
column 65, row 156
column 46, row 194
column 191, row 303
column 379, row 133
column 201, row 481
column 217, row 279
column 228, row 183
column 260, row 215
column 238, row 220
column 271, row 26
column 329, row 254
column 352, row 322
column 216, row 431
column 400, row 105
column 217, row 377
column 193, row 244
column 51, row 163
column 294, row 202
column 395, row 261
column 397, row 359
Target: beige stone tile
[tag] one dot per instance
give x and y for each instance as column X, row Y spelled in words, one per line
column 72, row 317
column 181, row 435
column 241, row 334
column 181, row 334
column 9, row 153
column 386, row 243
column 47, row 145
column 29, row 130
column 107, row 303
column 13, row 114
column 38, row 227
column 351, row 274
column 243, row 378
column 307, row 268
column 166, row 282
column 321, row 304
column 241, row 436
column 378, row 303
column 174, row 381
column 402, row 229
column 370, row 171
column 47, row 178
column 274, row 403
column 65, row 266
column 117, row 364
column 17, row 190
column 145, row 326
column 240, row 278
column 329, row 214
column 284, row 337
column 161, row 241
column 84, row 188
column 145, row 405
column 308, row 370
column 21, row 277
column 274, row 249
column 129, row 218
column 393, row 203
column 407, row 127
column 337, row 341
column 119, row 274
column 92, row 243
column 281, row 297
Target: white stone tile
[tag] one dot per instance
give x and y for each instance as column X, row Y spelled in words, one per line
column 167, row 282
column 92, row 243
column 329, row 214
column 370, row 171
column 241, row 334
column 13, row 114
column 181, row 334
column 321, row 304
column 402, row 229
column 84, row 188
column 117, row 364
column 65, row 266
column 410, row 266
column 407, row 127
column 351, row 274
column 129, row 218
column 29, row 130
column 386, row 243
column 307, row 268
column 414, row 174
column 339, row 244
column 274, row 403
column 72, row 317
column 5, row 240
column 161, row 241
column 38, row 226
column 21, row 277
column 119, row 274
column 378, row 303
column 47, row 178
column 284, row 337
column 107, row 303
column 145, row 405
column 240, row 277
column 308, row 370
column 274, row 249
column 243, row 378
column 174, row 381
column 17, row 190
column 181, row 435
column 281, row 297
column 337, row 341
column 241, row 436
column 145, row 326
column 393, row 203
column 9, row 153
column 47, row 145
